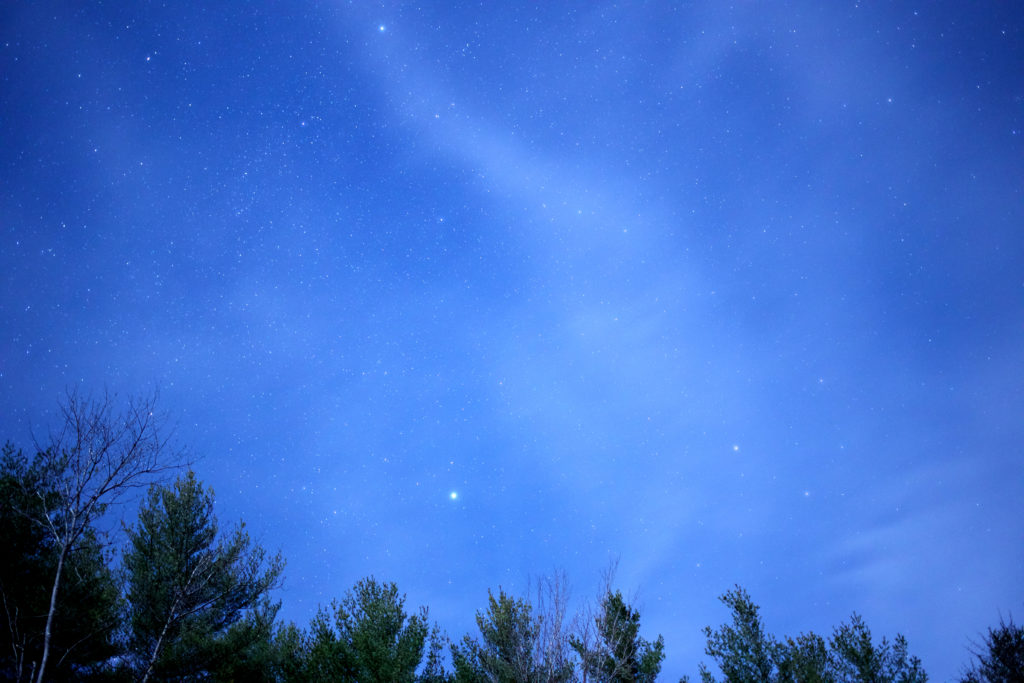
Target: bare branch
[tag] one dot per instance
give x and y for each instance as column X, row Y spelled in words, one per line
column 98, row 456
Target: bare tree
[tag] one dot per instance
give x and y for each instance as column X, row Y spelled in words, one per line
column 584, row 631
column 551, row 647
column 99, row 455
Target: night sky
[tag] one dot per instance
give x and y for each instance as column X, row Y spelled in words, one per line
column 458, row 294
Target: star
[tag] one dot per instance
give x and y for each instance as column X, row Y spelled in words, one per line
column 454, row 495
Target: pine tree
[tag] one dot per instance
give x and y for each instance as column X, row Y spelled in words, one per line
column 620, row 654
column 512, row 647
column 744, row 651
column 1000, row 658
column 188, row 585
column 366, row 637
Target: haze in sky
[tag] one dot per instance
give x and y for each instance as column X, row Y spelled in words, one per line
column 459, row 294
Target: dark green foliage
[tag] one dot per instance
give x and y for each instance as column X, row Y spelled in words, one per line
column 386, row 645
column 365, row 637
column 190, row 589
column 466, row 662
column 743, row 650
column 746, row 653
column 511, row 649
column 855, row 658
column 288, row 648
column 508, row 632
column 1000, row 659
column 804, row 660
column 83, row 627
column 247, row 652
column 619, row 654
column 433, row 670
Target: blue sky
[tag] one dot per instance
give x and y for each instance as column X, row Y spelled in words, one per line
column 732, row 293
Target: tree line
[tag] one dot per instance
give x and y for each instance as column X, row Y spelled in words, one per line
column 187, row 600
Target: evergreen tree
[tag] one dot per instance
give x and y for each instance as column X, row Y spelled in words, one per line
column 508, row 632
column 743, row 650
column 433, row 670
column 466, row 662
column 746, row 653
column 366, row 637
column 188, row 586
column 1001, row 657
column 82, row 642
column 804, row 660
column 856, row 658
column 510, row 650
column 620, row 654
column 290, row 655
column 247, row 651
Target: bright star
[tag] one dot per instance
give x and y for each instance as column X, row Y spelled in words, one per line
column 453, row 495
column 382, row 28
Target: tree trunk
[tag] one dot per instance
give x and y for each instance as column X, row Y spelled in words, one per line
column 50, row 613
column 156, row 650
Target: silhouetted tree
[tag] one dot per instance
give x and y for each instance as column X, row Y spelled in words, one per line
column 746, row 653
column 466, row 662
column 510, row 650
column 366, row 637
column 1000, row 658
column 856, row 658
column 743, row 650
column 290, row 654
column 433, row 670
column 189, row 589
column 247, row 651
column 619, row 654
column 804, row 659
column 92, row 460
column 82, row 640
